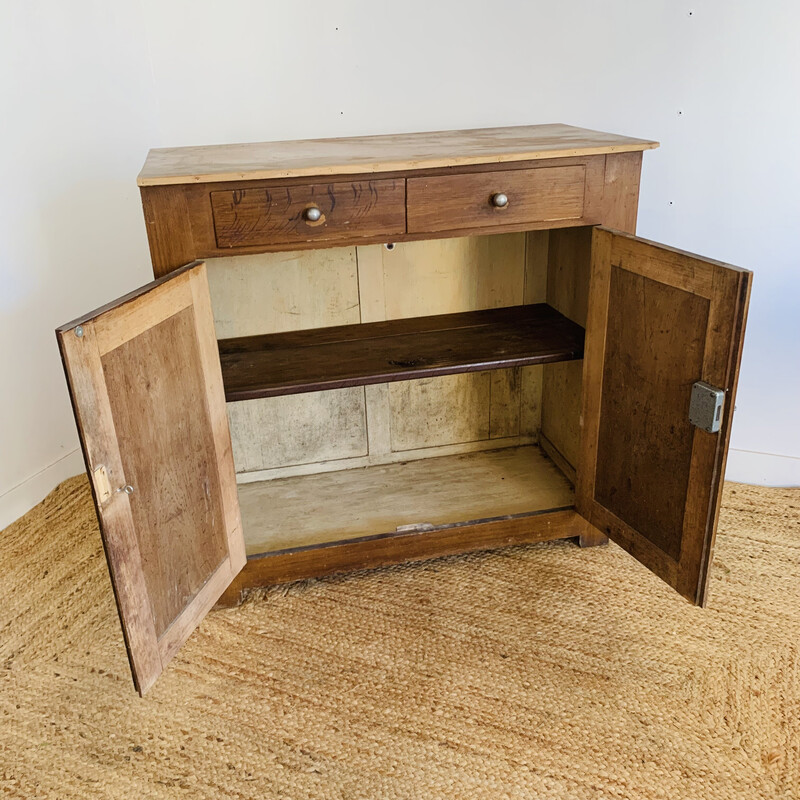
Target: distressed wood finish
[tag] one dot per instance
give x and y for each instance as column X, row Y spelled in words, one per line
column 621, row 191
column 275, row 293
column 371, row 154
column 546, row 194
column 175, row 543
column 444, row 344
column 396, row 350
column 659, row 319
column 169, row 229
column 569, row 258
column 194, row 226
column 289, row 513
column 276, row 214
column 468, row 411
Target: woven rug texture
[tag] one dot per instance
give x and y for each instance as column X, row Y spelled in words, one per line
column 533, row 672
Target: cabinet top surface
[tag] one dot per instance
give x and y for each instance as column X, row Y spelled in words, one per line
column 375, row 154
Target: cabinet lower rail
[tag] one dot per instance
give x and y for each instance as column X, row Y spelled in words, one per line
column 403, row 546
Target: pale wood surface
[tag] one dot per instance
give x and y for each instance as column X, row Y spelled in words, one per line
column 659, row 319
column 569, row 254
column 277, row 292
column 370, row 154
column 142, row 397
column 534, row 291
column 175, row 543
column 309, row 510
column 439, row 277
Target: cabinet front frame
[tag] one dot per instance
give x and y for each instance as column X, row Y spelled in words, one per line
column 180, row 222
column 180, row 228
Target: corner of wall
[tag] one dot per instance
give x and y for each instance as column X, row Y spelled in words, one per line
column 24, row 496
column 762, row 469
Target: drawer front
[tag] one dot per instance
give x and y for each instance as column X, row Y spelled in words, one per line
column 324, row 212
column 452, row 202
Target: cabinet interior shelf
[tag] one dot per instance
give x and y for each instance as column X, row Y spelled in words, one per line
column 377, row 352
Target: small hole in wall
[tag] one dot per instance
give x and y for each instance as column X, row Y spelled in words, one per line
column 389, row 245
column 670, row 202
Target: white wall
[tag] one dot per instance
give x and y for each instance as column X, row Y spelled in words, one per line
column 88, row 87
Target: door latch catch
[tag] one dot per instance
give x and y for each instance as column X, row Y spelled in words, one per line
column 705, row 407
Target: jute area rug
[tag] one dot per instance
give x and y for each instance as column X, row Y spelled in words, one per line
column 534, row 672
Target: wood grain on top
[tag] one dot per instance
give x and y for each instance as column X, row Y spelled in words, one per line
column 369, row 154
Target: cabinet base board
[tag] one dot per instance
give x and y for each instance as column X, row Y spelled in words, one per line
column 395, row 548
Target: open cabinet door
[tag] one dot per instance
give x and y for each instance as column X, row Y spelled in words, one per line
column 660, row 320
column 146, row 387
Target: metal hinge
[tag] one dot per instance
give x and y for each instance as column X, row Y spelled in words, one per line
column 705, row 407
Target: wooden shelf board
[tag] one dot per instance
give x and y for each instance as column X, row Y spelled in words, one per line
column 377, row 352
column 318, row 510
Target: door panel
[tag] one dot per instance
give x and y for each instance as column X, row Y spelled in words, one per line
column 659, row 320
column 146, row 388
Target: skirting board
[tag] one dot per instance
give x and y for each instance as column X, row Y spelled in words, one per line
column 763, row 469
column 24, row 496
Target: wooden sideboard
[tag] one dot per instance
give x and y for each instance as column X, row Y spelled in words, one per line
column 363, row 351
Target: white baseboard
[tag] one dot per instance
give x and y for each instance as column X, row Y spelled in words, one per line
column 24, row 496
column 764, row 469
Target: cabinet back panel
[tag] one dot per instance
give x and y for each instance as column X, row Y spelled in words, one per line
column 299, row 429
column 268, row 293
column 143, row 376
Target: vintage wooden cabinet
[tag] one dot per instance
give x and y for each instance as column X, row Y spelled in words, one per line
column 397, row 347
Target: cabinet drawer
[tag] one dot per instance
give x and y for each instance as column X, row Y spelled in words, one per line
column 539, row 194
column 325, row 212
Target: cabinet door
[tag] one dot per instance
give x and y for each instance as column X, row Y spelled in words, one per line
column 146, row 388
column 659, row 320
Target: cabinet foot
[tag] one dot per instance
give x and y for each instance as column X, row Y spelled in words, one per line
column 591, row 537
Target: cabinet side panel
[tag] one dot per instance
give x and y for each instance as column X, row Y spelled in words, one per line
column 568, row 268
column 169, row 230
column 621, row 191
column 537, row 244
column 568, row 279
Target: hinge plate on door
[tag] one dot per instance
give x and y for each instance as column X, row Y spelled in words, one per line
column 102, row 485
column 705, row 407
